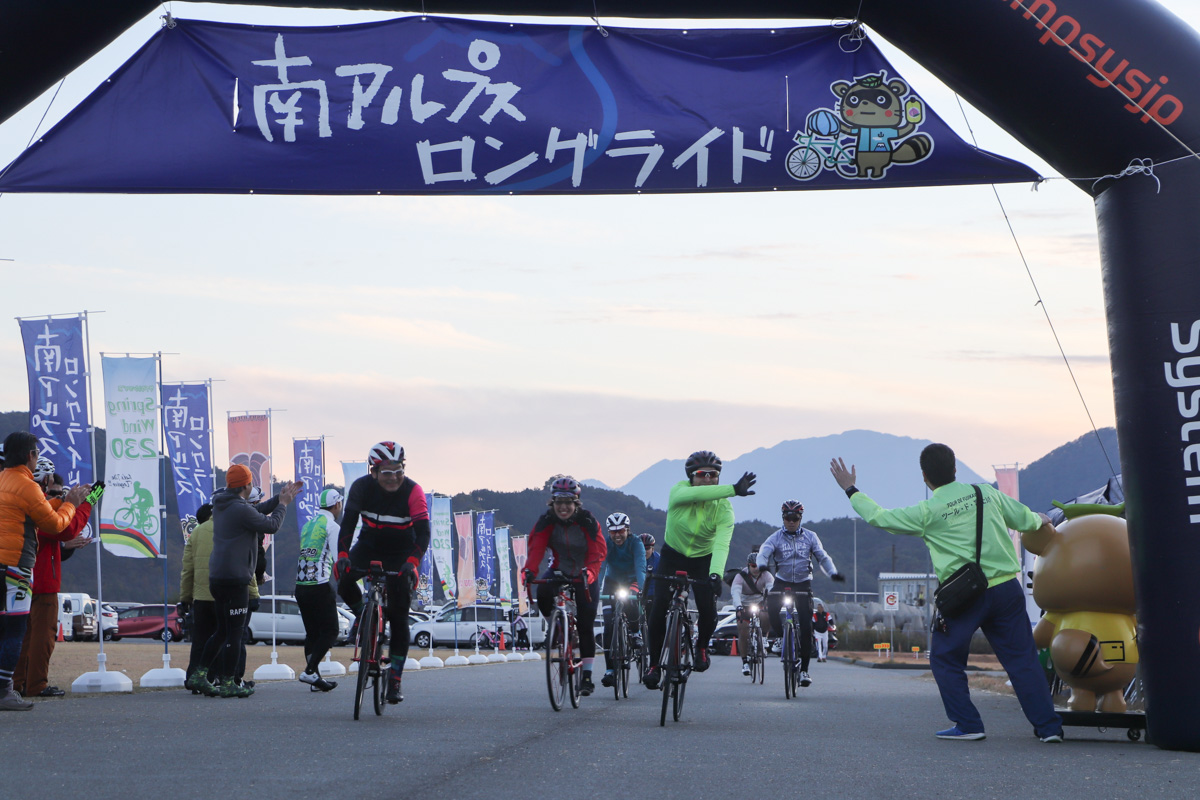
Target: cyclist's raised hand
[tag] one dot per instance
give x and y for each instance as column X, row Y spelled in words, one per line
column 742, row 487
column 77, row 495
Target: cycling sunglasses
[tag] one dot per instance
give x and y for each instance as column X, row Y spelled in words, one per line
column 792, row 517
column 706, row 473
column 397, row 472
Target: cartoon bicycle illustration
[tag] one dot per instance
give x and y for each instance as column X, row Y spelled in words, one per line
column 137, row 514
column 819, row 147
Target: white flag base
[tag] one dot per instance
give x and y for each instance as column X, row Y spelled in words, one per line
column 497, row 658
column 477, row 658
column 530, row 655
column 411, row 663
column 274, row 671
column 165, row 677
column 101, row 680
column 352, row 669
column 431, row 662
column 330, row 667
column 457, row 661
column 514, row 657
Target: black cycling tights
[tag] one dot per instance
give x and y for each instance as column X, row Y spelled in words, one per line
column 231, row 599
column 697, row 568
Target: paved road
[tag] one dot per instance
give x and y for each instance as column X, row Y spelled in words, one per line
column 489, row 732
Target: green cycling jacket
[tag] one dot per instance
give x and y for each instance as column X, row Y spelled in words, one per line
column 700, row 522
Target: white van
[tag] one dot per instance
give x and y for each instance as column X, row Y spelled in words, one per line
column 77, row 615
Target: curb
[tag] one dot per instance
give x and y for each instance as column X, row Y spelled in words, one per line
column 894, row 665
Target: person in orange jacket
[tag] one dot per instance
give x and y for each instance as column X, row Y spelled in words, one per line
column 23, row 510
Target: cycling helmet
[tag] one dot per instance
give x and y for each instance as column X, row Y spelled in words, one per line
column 565, row 486
column 256, row 495
column 647, row 540
column 44, row 469
column 617, row 520
column 701, row 459
column 752, row 559
column 792, row 507
column 385, row 451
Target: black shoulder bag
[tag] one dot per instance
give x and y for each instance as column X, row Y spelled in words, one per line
column 968, row 583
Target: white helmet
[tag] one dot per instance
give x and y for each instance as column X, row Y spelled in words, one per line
column 385, row 451
column 617, row 520
column 44, row 469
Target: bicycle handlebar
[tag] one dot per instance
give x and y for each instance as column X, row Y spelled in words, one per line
column 558, row 578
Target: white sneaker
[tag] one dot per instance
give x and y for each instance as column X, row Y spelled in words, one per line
column 745, row 668
column 309, row 677
column 804, row 679
column 11, row 700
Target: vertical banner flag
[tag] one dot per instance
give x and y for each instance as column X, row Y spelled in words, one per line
column 441, row 545
column 310, row 468
column 485, row 549
column 505, row 569
column 250, row 444
column 352, row 471
column 466, row 559
column 131, row 511
column 425, row 571
column 189, row 446
column 520, row 549
column 56, row 361
column 1008, row 480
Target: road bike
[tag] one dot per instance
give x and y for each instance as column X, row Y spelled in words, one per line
column 813, row 153
column 564, row 668
column 368, row 647
column 678, row 652
column 490, row 639
column 756, row 652
column 789, row 646
column 623, row 651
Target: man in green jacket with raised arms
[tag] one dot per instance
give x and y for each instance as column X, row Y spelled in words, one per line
column 699, row 527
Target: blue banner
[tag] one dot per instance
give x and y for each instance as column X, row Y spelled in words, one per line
column 189, row 446
column 438, row 105
column 485, row 554
column 310, row 468
column 58, row 401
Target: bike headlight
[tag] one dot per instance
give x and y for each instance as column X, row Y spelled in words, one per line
column 753, row 609
column 787, row 601
column 622, row 594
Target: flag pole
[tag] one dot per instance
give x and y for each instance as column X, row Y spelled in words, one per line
column 274, row 670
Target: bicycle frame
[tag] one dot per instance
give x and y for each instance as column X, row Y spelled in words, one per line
column 677, row 654
column 368, row 645
column 565, row 670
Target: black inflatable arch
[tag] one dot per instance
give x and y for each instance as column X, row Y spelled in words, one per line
column 1090, row 86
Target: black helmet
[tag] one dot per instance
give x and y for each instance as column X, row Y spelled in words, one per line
column 792, row 507
column 701, row 459
column 647, row 540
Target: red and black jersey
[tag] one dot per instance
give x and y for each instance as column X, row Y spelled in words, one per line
column 395, row 525
column 576, row 543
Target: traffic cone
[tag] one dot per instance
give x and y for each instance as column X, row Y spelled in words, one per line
column 733, row 648
column 501, row 648
column 60, row 635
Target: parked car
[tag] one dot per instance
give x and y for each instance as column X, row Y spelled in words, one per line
column 77, row 615
column 289, row 625
column 147, row 621
column 441, row 629
column 109, row 623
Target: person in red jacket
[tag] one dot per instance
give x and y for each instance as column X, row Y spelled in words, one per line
column 578, row 549
column 32, row 676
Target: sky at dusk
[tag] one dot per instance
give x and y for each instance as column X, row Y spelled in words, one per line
column 505, row 339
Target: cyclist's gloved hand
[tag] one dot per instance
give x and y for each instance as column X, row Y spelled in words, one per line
column 742, row 487
column 716, row 582
column 633, row 588
column 837, row 577
column 409, row 571
column 96, row 493
column 587, row 576
column 182, row 608
column 343, row 564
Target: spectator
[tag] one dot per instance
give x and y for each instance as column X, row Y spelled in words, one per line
column 194, row 594
column 947, row 521
column 22, row 502
column 315, row 593
column 32, row 676
column 236, row 525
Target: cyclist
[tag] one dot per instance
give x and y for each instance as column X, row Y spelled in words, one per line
column 792, row 548
column 624, row 568
column 578, row 549
column 140, row 503
column 651, row 564
column 395, row 532
column 699, row 527
column 314, row 588
column 750, row 587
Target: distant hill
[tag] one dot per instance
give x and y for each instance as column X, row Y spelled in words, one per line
column 1075, row 468
column 799, row 469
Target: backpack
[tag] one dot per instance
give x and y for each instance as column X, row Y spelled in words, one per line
column 730, row 574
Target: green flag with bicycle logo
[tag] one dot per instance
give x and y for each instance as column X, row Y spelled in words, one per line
column 131, row 511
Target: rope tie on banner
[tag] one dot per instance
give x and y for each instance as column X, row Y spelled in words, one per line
column 852, row 40
column 168, row 21
column 596, row 19
column 1138, row 166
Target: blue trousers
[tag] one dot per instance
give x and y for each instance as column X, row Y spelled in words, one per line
column 1001, row 615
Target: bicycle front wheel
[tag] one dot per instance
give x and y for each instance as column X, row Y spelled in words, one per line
column 803, row 163
column 616, row 655
column 787, row 657
column 380, row 676
column 760, row 655
column 556, row 660
column 643, row 661
column 752, row 655
column 366, row 653
column 669, row 663
column 685, row 669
